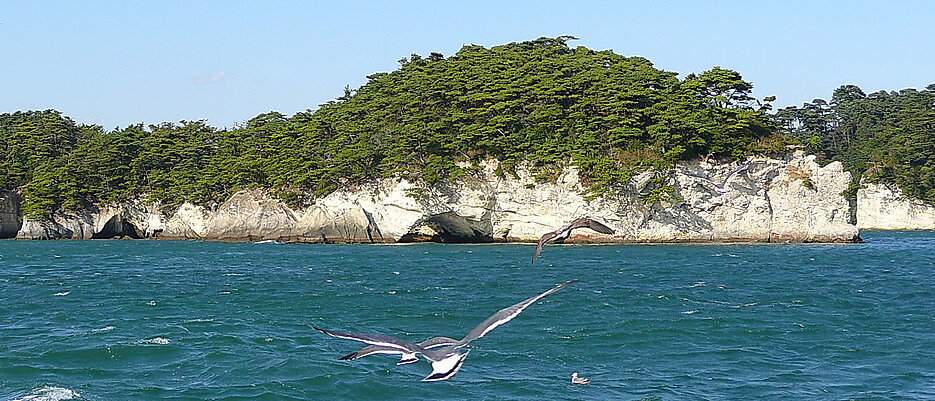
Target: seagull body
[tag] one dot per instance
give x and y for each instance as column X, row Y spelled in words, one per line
column 721, row 188
column 442, row 353
column 579, row 380
column 434, row 342
column 565, row 232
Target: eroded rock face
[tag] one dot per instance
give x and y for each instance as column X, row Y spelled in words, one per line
column 9, row 214
column 882, row 207
column 250, row 215
column 131, row 219
column 807, row 203
column 774, row 200
column 792, row 199
column 188, row 222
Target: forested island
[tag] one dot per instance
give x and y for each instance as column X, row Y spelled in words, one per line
column 539, row 103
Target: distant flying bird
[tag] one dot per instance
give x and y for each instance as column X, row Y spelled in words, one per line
column 565, row 232
column 579, row 380
column 445, row 358
column 721, row 188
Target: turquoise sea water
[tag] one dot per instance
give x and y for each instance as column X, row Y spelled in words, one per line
column 173, row 320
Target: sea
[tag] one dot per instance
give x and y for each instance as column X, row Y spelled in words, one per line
column 189, row 320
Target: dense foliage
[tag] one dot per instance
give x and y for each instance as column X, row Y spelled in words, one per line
column 539, row 101
column 888, row 135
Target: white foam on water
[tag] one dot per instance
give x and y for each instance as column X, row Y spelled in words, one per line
column 61, row 294
column 698, row 284
column 689, row 312
column 49, row 393
column 103, row 329
column 154, row 341
column 232, row 274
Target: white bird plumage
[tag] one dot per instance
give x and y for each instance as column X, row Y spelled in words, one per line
column 443, row 354
column 579, row 380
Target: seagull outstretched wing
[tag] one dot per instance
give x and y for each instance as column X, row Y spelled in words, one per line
column 733, row 172
column 507, row 314
column 584, row 222
column 389, row 342
column 382, row 349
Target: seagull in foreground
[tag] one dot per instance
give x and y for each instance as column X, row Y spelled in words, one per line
column 721, row 188
column 442, row 354
column 565, row 232
column 407, row 357
column 579, row 380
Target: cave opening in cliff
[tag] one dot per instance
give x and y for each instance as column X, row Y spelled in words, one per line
column 117, row 227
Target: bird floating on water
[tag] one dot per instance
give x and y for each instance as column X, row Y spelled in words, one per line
column 442, row 352
column 565, row 232
column 721, row 188
column 579, row 380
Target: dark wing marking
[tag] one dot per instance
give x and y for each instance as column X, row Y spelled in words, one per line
column 578, row 223
column 437, row 342
column 380, row 349
column 542, row 240
column 587, row 222
column 584, row 222
column 599, row 227
column 375, row 339
column 370, row 350
column 507, row 314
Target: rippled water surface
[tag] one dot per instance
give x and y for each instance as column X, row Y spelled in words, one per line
column 167, row 320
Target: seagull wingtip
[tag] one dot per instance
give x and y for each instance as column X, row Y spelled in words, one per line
column 316, row 328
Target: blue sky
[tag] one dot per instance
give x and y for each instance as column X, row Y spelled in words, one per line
column 122, row 62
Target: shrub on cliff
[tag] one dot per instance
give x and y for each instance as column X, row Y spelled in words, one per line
column 886, row 136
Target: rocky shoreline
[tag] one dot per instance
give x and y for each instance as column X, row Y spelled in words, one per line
column 789, row 199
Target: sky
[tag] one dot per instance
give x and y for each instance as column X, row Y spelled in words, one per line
column 116, row 63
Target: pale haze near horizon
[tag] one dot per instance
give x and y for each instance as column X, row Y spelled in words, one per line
column 120, row 63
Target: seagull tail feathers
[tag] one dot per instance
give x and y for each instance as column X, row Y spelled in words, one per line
column 445, row 368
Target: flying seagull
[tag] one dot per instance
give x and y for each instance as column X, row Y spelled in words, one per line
column 721, row 188
column 444, row 356
column 565, row 232
column 433, row 342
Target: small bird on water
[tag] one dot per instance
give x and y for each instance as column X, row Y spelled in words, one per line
column 579, row 380
column 565, row 232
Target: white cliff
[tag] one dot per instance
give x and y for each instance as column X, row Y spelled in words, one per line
column 883, row 207
column 133, row 219
column 792, row 199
